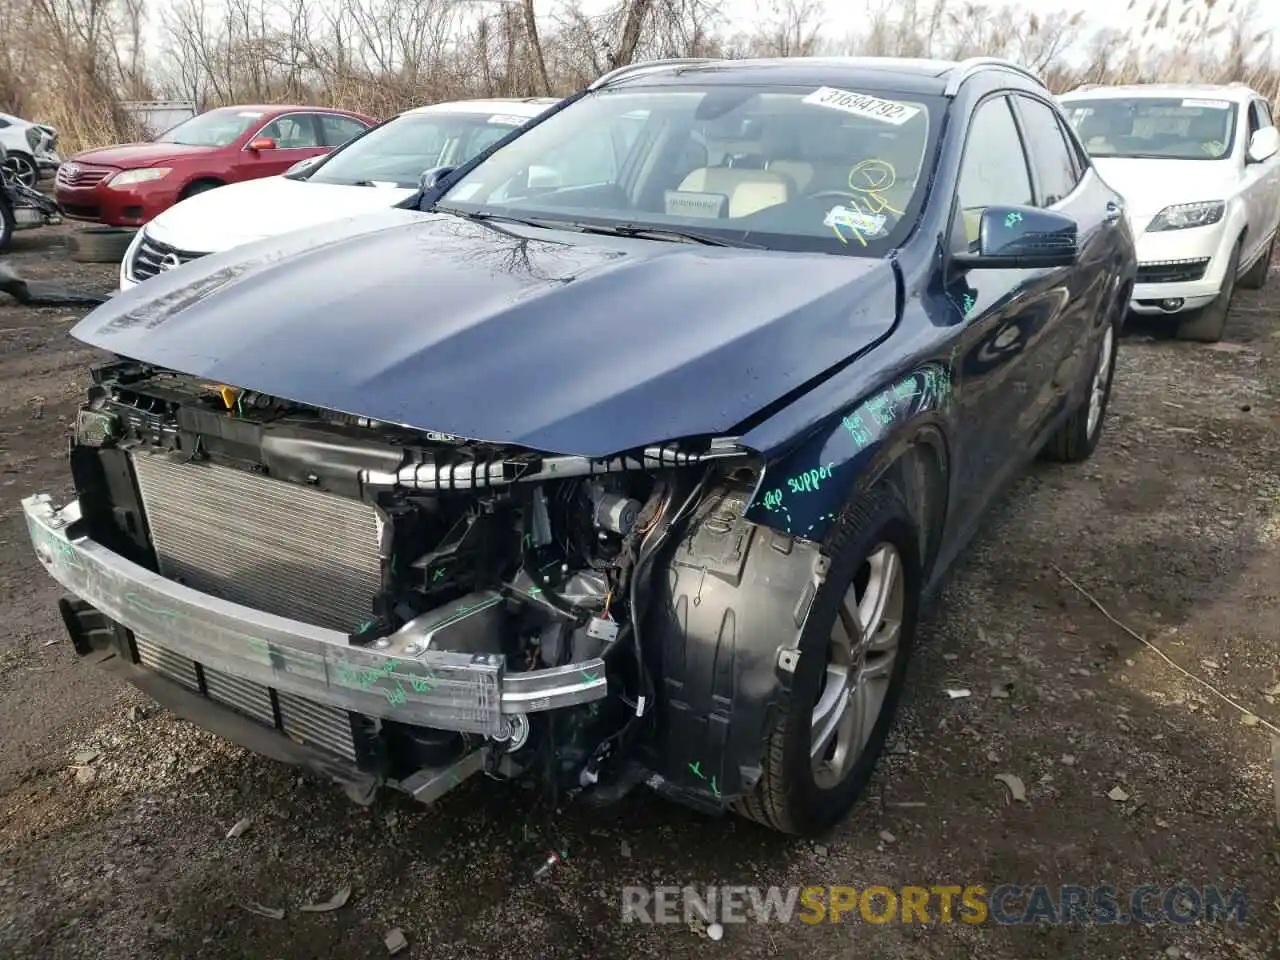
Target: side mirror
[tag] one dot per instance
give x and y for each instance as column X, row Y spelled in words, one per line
column 431, row 178
column 1021, row 238
column 543, row 178
column 1263, row 144
column 262, row 143
column 305, row 164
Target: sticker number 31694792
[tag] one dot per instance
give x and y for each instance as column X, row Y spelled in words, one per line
column 862, row 105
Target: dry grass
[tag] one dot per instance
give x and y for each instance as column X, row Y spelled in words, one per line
column 71, row 62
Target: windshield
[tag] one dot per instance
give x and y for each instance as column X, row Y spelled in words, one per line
column 784, row 168
column 216, row 128
column 399, row 151
column 1162, row 128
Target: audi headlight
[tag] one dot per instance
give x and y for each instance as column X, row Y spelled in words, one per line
column 1183, row 215
column 127, row 178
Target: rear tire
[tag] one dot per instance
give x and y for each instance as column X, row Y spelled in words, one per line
column 1077, row 438
column 1207, row 324
column 100, row 244
column 1255, row 278
column 801, row 793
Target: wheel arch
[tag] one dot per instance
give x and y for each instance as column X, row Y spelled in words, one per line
column 730, row 601
column 200, row 180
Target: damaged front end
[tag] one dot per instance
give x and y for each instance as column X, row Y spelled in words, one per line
column 30, row 208
column 384, row 605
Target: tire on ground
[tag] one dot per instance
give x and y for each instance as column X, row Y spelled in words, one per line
column 1073, row 442
column 1255, row 278
column 100, row 244
column 7, row 224
column 1207, row 324
column 788, row 797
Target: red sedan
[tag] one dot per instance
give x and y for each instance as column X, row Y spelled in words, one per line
column 127, row 185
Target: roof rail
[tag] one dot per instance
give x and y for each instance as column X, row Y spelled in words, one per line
column 648, row 66
column 963, row 70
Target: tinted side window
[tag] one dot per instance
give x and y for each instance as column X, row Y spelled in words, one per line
column 1050, row 158
column 336, row 130
column 994, row 169
column 291, row 132
column 1255, row 122
column 1079, row 158
column 1264, row 113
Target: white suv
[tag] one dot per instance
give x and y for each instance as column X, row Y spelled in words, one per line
column 1199, row 169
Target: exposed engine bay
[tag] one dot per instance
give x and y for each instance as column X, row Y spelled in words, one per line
column 405, row 542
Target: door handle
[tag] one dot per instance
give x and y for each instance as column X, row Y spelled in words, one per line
column 1113, row 212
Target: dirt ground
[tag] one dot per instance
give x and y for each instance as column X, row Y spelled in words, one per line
column 1174, row 526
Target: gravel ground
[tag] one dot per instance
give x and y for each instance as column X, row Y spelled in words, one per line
column 114, row 815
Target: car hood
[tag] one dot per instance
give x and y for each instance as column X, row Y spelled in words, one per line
column 240, row 213
column 560, row 342
column 1148, row 186
column 130, row 155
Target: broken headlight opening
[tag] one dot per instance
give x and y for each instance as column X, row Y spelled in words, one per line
column 408, row 543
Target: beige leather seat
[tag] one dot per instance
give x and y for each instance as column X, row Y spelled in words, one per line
column 748, row 190
column 800, row 172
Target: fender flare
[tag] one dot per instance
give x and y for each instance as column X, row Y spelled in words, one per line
column 732, row 599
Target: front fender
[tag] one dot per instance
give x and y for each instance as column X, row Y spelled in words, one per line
column 802, row 491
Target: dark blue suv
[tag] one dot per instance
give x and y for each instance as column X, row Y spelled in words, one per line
column 626, row 456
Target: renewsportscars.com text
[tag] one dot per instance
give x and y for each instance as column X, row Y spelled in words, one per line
column 1005, row 904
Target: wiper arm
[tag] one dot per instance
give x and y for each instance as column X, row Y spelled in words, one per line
column 665, row 233
column 637, row 230
column 480, row 217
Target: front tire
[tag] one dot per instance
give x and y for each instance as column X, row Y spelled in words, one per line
column 1255, row 278
column 854, row 649
column 23, row 168
column 1208, row 323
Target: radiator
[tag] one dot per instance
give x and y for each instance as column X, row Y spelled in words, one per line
column 269, row 545
column 305, row 721
column 273, row 546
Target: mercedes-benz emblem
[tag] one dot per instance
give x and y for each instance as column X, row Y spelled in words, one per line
column 170, row 261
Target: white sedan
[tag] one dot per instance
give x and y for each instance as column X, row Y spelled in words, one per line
column 1199, row 169
column 372, row 172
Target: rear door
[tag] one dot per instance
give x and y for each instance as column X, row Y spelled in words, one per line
column 1083, row 293
column 335, row 129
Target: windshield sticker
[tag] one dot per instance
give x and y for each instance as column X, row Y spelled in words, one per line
column 1210, row 104
column 863, row 226
column 862, row 105
column 249, row 113
column 506, row 119
column 687, row 203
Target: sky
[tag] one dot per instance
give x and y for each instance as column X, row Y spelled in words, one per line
column 846, row 16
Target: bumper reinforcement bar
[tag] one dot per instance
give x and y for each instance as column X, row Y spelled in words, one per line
column 436, row 688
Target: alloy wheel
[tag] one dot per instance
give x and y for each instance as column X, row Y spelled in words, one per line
column 1101, row 380
column 860, row 658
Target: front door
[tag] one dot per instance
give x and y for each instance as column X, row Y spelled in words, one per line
column 1007, row 344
